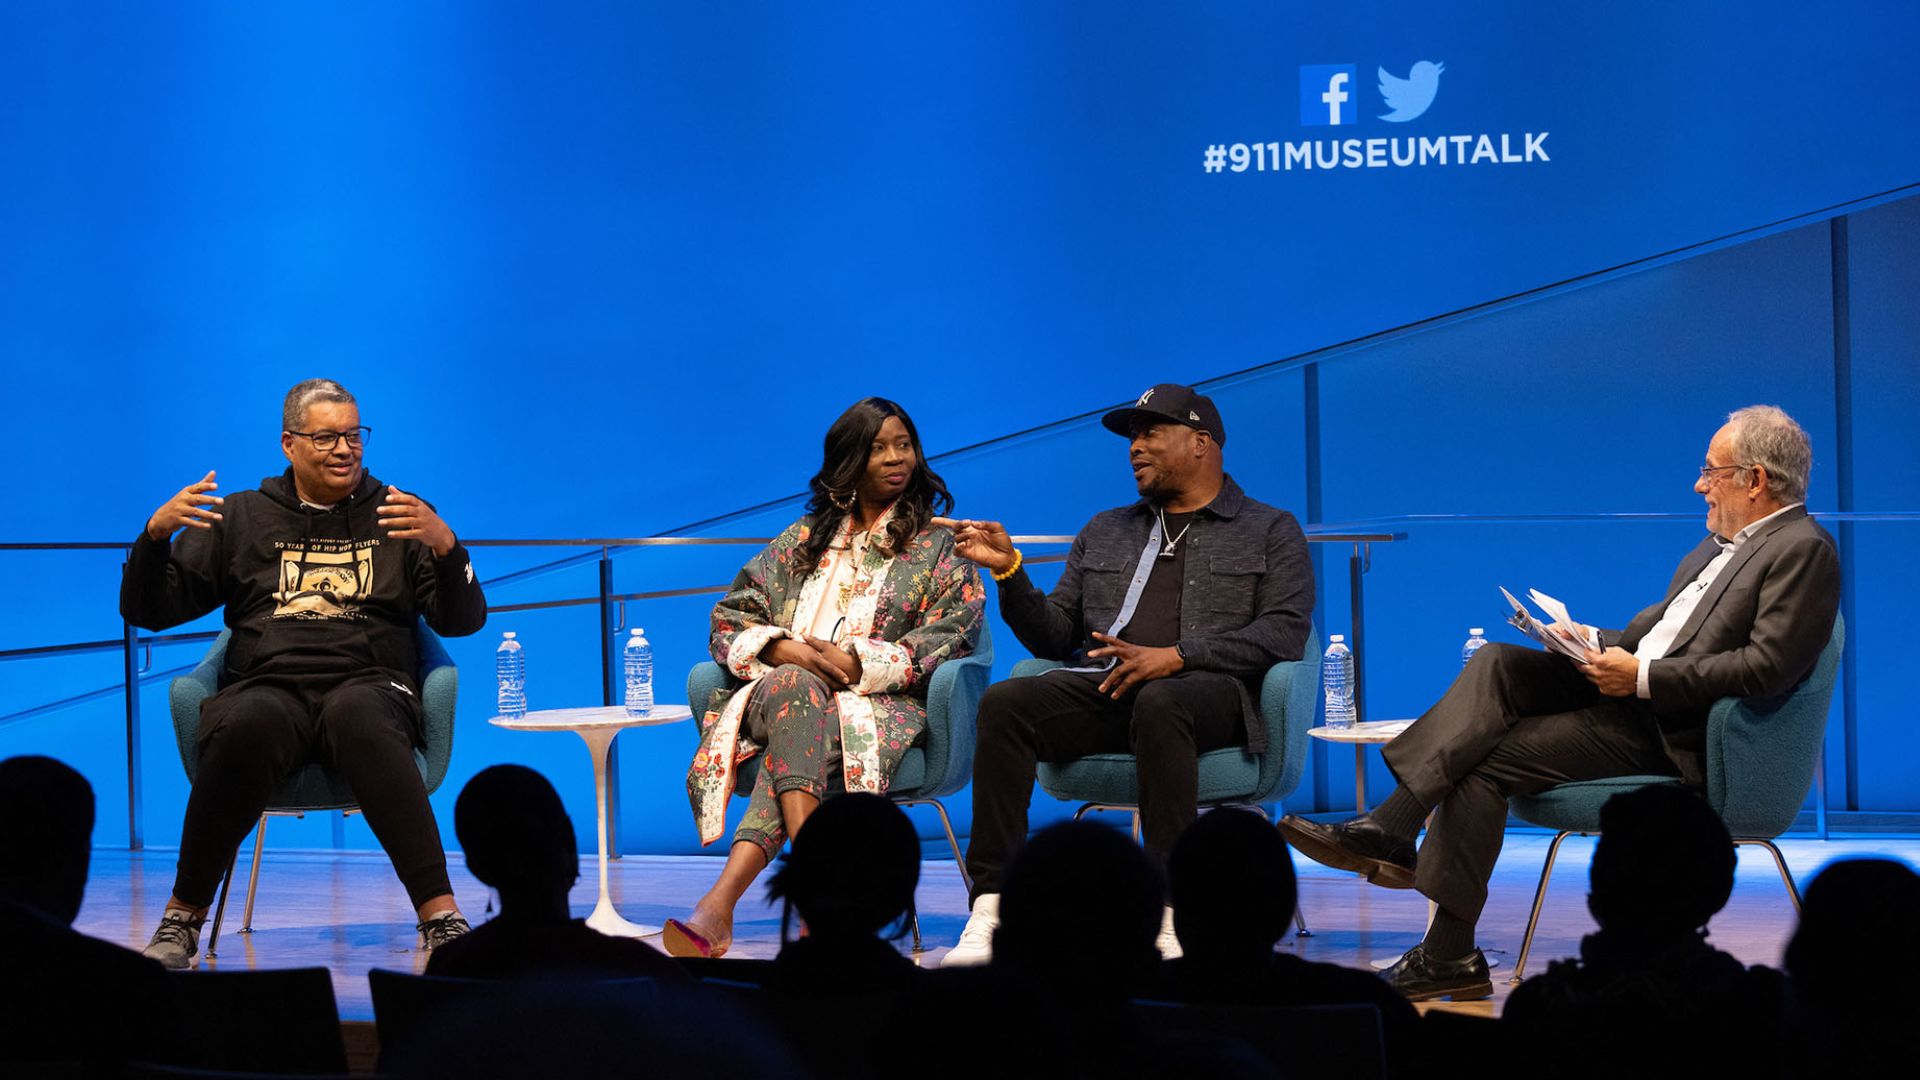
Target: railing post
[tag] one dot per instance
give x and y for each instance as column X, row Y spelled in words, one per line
column 1356, row 566
column 607, row 684
column 130, row 647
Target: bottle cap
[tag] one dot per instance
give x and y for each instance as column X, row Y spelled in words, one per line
column 1334, row 639
column 508, row 635
column 1476, row 631
column 637, row 631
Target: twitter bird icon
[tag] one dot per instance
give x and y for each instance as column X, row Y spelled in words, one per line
column 1411, row 96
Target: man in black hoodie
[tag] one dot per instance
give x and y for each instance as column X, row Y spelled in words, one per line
column 323, row 572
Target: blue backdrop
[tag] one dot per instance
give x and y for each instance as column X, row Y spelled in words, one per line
column 610, row 269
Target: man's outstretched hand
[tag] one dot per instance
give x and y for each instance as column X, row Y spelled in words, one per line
column 985, row 543
column 189, row 507
column 405, row 517
column 1138, row 664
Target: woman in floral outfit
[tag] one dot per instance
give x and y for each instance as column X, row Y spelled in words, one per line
column 836, row 628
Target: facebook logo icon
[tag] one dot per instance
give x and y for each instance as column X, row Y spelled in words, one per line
column 1326, row 95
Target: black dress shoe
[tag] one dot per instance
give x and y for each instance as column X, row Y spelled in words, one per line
column 1419, row 977
column 1357, row 845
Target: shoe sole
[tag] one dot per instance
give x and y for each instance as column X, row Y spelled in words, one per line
column 948, row 961
column 1378, row 871
column 1472, row 992
column 679, row 939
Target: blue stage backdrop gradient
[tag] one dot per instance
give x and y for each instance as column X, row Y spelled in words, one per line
column 602, row 269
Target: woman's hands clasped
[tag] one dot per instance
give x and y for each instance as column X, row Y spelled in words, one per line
column 837, row 667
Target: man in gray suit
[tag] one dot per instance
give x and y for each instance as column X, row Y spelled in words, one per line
column 1746, row 615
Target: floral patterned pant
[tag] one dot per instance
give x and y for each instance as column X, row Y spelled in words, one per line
column 793, row 715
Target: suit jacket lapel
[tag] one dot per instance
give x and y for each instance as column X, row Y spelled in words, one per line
column 1725, row 578
column 1683, row 576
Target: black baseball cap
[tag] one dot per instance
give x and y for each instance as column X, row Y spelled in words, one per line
column 1169, row 402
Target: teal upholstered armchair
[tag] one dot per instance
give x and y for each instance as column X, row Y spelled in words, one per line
column 314, row 788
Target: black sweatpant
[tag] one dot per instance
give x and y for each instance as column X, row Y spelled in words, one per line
column 1060, row 716
column 255, row 734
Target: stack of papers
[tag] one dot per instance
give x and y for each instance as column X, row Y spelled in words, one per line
column 1562, row 634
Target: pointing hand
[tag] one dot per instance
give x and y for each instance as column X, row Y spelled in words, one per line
column 985, row 543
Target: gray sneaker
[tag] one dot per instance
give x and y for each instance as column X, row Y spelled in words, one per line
column 440, row 929
column 177, row 943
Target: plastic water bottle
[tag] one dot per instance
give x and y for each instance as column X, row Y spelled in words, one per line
column 510, row 661
column 1476, row 637
column 1336, row 674
column 639, row 669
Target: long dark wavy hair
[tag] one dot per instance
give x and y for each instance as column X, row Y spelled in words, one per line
column 843, row 463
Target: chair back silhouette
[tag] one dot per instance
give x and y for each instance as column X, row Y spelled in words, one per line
column 1335, row 1042
column 313, row 788
column 405, row 1004
column 940, row 764
column 1762, row 754
column 283, row 1021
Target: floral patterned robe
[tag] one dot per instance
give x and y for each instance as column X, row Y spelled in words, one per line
column 907, row 613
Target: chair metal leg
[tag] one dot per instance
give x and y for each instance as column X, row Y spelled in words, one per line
column 1134, row 810
column 253, row 877
column 1299, row 917
column 1786, row 876
column 913, row 918
column 953, row 842
column 220, row 909
column 1539, row 900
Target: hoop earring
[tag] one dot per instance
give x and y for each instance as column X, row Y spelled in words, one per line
column 834, row 497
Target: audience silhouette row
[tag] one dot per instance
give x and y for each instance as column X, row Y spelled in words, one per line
column 1076, row 986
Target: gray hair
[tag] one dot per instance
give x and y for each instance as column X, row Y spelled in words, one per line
column 1766, row 436
column 293, row 415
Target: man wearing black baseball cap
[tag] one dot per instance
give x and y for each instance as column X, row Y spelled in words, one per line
column 1168, row 613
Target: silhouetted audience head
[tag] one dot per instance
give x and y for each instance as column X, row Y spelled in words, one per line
column 1231, row 879
column 1857, row 923
column 1079, row 909
column 46, row 833
column 1663, row 866
column 852, row 869
column 516, row 834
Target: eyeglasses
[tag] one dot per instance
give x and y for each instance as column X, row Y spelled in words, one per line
column 1707, row 471
column 327, row 440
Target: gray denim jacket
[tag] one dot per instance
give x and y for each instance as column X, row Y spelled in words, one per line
column 1247, row 602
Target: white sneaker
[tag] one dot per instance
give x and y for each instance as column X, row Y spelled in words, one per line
column 1168, row 942
column 976, row 941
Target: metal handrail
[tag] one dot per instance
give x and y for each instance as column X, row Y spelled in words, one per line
column 612, row 607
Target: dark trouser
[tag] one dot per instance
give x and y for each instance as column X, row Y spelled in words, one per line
column 255, row 735
column 1517, row 721
column 1061, row 716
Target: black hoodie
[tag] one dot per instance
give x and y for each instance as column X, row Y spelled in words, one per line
column 308, row 592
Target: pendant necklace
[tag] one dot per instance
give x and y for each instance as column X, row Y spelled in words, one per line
column 1168, row 551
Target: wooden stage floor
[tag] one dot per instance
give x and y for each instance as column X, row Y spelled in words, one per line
column 345, row 911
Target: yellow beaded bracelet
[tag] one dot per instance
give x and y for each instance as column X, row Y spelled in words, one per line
column 1014, row 569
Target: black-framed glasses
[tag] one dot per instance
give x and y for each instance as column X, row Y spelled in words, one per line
column 1707, row 472
column 327, row 440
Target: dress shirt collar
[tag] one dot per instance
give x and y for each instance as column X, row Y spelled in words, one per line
column 1224, row 506
column 1747, row 533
